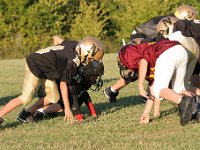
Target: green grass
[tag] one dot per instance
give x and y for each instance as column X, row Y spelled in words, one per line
column 117, row 126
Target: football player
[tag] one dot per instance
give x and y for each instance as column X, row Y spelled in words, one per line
column 150, row 30
column 56, row 62
column 145, row 31
column 88, row 77
column 141, row 34
column 179, row 30
column 147, row 58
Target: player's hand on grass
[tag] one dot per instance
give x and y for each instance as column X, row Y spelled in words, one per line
column 143, row 92
column 144, row 119
column 69, row 116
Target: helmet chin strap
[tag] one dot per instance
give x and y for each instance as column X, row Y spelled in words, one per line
column 97, row 85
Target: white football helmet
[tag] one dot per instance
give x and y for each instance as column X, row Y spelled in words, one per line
column 89, row 49
column 186, row 12
column 165, row 26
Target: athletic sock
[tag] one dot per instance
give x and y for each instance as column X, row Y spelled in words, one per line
column 41, row 110
column 92, row 109
column 114, row 91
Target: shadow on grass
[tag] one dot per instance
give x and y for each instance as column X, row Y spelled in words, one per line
column 166, row 113
column 101, row 109
column 5, row 100
column 11, row 125
column 110, row 80
column 107, row 107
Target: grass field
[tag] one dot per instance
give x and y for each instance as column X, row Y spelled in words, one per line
column 117, row 126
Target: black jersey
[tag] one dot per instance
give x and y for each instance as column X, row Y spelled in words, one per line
column 79, row 85
column 77, row 92
column 189, row 29
column 148, row 28
column 55, row 62
column 196, row 69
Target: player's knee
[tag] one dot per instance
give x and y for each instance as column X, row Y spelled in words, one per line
column 25, row 98
column 53, row 98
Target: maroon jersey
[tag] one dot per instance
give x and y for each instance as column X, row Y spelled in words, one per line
column 130, row 55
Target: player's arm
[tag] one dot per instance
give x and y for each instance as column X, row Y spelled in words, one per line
column 143, row 64
column 64, row 93
column 57, row 40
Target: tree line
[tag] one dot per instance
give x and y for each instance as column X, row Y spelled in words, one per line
column 28, row 25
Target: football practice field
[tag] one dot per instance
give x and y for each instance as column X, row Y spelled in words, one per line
column 117, row 126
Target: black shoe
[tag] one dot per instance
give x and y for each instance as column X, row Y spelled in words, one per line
column 198, row 103
column 1, row 121
column 25, row 116
column 110, row 95
column 196, row 117
column 193, row 117
column 39, row 115
column 185, row 109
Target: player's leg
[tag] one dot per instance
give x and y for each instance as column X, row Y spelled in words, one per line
column 163, row 75
column 28, row 90
column 112, row 92
column 51, row 96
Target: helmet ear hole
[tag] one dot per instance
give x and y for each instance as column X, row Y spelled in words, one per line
column 93, row 50
column 165, row 26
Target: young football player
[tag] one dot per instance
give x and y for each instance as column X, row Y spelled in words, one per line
column 142, row 58
column 150, row 30
column 56, row 62
column 145, row 31
column 174, row 29
column 112, row 92
column 88, row 77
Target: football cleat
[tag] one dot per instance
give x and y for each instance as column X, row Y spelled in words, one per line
column 25, row 116
column 198, row 116
column 110, row 95
column 39, row 115
column 185, row 109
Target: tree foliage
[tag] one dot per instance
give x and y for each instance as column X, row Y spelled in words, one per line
column 28, row 25
column 89, row 21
